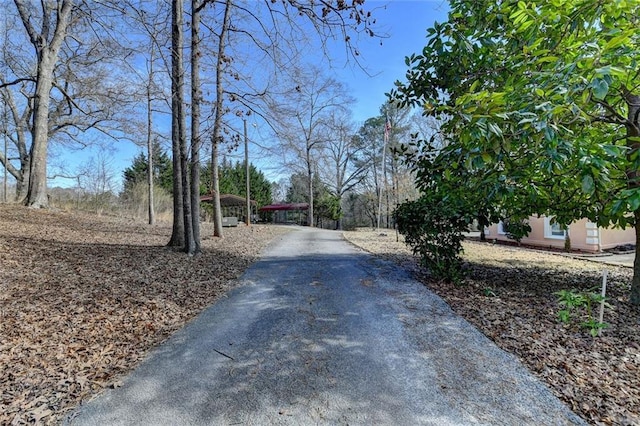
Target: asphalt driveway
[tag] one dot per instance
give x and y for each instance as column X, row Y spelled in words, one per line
column 320, row 332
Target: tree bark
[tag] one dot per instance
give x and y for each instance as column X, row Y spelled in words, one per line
column 189, row 243
column 633, row 132
column 47, row 52
column 310, row 187
column 215, row 184
column 195, row 123
column 20, row 174
column 152, row 216
column 22, row 184
column 178, row 232
column 215, row 140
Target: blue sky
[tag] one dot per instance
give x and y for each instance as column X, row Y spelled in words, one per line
column 406, row 22
column 403, row 21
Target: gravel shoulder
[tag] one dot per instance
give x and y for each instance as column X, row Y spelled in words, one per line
column 320, row 332
column 509, row 297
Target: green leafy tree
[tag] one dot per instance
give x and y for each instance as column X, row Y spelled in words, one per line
column 328, row 207
column 232, row 181
column 540, row 105
column 137, row 172
column 327, row 203
column 297, row 191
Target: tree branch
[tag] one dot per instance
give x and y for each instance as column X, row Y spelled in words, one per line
column 16, row 81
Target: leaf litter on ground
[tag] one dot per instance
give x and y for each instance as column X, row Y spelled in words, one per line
column 83, row 298
column 509, row 296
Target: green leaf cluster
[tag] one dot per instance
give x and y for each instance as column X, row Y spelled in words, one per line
column 137, row 172
column 433, row 227
column 233, row 181
column 581, row 304
column 540, row 105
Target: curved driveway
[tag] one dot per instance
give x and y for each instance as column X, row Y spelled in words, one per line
column 320, row 332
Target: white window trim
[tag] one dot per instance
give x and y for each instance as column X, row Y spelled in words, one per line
column 501, row 228
column 548, row 233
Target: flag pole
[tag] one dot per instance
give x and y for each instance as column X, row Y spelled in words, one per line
column 387, row 128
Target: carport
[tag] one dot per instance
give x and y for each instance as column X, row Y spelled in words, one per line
column 233, row 205
column 287, row 212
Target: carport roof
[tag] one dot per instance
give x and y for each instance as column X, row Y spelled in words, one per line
column 284, row 206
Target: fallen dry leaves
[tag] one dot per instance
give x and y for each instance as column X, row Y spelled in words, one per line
column 509, row 297
column 83, row 299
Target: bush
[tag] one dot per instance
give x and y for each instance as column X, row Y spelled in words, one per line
column 433, row 227
column 516, row 229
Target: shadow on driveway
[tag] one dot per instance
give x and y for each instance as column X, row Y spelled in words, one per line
column 322, row 333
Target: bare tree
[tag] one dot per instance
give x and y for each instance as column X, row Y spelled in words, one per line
column 302, row 117
column 152, row 27
column 341, row 173
column 75, row 87
column 182, row 235
column 97, row 178
column 151, row 211
column 369, row 139
column 397, row 132
column 16, row 131
column 196, row 99
column 217, row 124
column 275, row 31
column 54, row 21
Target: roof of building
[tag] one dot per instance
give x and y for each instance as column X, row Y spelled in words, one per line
column 284, row 206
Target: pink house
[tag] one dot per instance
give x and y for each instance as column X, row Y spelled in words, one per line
column 584, row 235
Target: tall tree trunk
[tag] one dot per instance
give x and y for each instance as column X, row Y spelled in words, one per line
column 178, row 232
column 310, row 189
column 633, row 133
column 20, row 174
column 152, row 216
column 22, row 184
column 189, row 243
column 215, row 140
column 215, row 185
column 386, row 196
column 195, row 123
column 47, row 50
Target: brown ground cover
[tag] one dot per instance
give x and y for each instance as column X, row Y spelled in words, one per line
column 509, row 296
column 83, row 299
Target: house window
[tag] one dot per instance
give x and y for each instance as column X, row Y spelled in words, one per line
column 553, row 230
column 501, row 230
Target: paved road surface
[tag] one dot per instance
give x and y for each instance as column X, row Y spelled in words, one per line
column 322, row 333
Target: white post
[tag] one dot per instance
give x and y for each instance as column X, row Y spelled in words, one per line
column 603, row 294
column 387, row 129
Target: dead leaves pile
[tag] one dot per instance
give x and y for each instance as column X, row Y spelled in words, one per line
column 509, row 297
column 83, row 298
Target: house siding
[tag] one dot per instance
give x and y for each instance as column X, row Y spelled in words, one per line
column 584, row 236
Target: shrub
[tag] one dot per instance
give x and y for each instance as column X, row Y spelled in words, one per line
column 516, row 229
column 433, row 226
